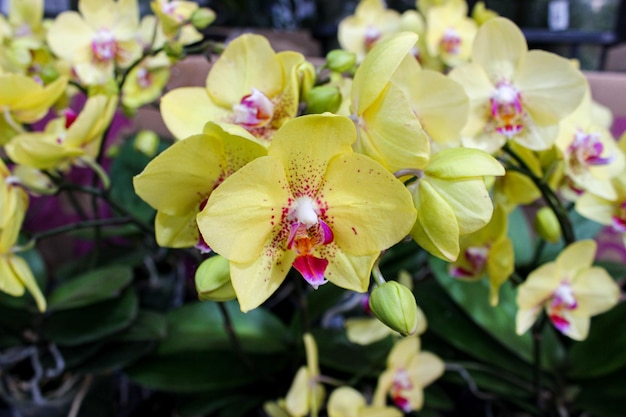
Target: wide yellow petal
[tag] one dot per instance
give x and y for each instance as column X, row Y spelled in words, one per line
column 498, row 47
column 426, row 367
column 186, row 110
column 92, row 121
column 179, row 178
column 469, row 200
column 595, row 208
column 176, row 231
column 595, row 291
column 247, row 62
column 345, row 402
column 463, row 163
column 525, row 318
column 287, row 107
column 578, row 328
column 255, row 281
column 363, row 224
column 351, row 272
column 403, row 352
column 306, row 160
column 441, row 105
column 539, row 286
column 390, row 132
column 69, row 35
column 551, row 87
column 436, row 228
column 365, row 330
column 576, row 256
column 245, row 209
column 376, row 70
column 34, row 100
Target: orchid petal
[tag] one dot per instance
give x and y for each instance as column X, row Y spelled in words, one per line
column 595, row 291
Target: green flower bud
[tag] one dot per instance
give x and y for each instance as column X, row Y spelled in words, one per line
column 213, row 280
column 394, row 305
column 147, row 142
column 202, row 18
column 322, row 99
column 547, row 225
column 340, row 60
column 174, row 50
column 48, row 74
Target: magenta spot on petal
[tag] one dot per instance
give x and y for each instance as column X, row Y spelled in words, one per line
column 559, row 322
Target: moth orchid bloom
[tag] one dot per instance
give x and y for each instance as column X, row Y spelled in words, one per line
column 515, row 94
column 388, row 129
column 450, row 32
column 68, row 140
column 21, row 33
column 15, row 274
column 604, row 211
column 24, row 100
column 249, row 85
column 174, row 17
column 348, row 402
column 590, row 152
column 408, row 372
column 178, row 182
column 451, row 198
column 486, row 252
column 570, row 290
column 102, row 37
column 371, row 22
column 311, row 203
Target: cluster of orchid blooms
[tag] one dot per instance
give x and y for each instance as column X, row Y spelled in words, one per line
column 428, row 124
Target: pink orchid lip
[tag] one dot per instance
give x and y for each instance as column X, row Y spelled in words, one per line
column 372, row 35
column 254, row 110
column 506, row 109
column 401, row 382
column 312, row 269
column 104, row 46
column 451, row 41
column 586, row 149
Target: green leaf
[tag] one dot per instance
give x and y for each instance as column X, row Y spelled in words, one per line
column 93, row 322
column 92, row 287
column 115, row 356
column 519, row 233
column 200, row 327
column 498, row 321
column 603, row 350
column 197, row 371
column 448, row 321
column 149, row 326
column 604, row 396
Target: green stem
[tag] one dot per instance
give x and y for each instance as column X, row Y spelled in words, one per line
column 548, row 194
column 537, row 335
column 376, row 272
column 232, row 336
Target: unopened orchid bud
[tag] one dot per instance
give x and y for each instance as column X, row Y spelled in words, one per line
column 34, row 180
column 340, row 61
column 147, row 142
column 394, row 304
column 48, row 74
column 202, row 18
column 547, row 225
column 322, row 99
column 213, row 280
column 307, row 75
column 174, row 50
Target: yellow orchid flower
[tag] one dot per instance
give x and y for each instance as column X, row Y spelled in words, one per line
column 15, row 274
column 570, row 289
column 487, row 252
column 249, row 85
column 604, row 211
column 451, row 199
column 174, row 18
column 306, row 394
column 178, row 181
column 99, row 39
column 309, row 204
column 408, row 372
column 450, row 32
column 348, row 402
column 590, row 152
column 67, row 140
column 515, row 94
column 389, row 131
column 21, row 34
column 371, row 22
column 24, row 100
